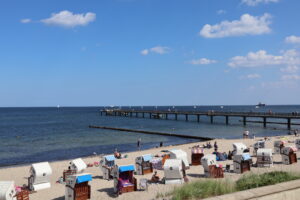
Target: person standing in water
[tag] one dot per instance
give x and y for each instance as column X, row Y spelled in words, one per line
column 139, row 143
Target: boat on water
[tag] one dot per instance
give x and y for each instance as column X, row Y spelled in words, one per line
column 260, row 104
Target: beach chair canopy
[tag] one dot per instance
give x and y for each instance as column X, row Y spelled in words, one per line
column 173, row 169
column 173, row 164
column 110, row 158
column 83, row 178
column 264, row 152
column 7, row 190
column 179, row 154
column 239, row 146
column 287, row 150
column 78, row 165
column 126, row 168
column 41, row 169
column 147, row 157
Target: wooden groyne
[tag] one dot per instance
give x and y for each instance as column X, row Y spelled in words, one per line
column 153, row 133
column 155, row 114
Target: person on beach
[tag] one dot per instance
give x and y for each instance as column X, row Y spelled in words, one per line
column 117, row 154
column 296, row 132
column 161, row 144
column 155, row 178
column 216, row 146
column 139, row 143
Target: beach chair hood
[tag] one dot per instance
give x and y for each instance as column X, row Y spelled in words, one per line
column 7, row 190
column 78, row 165
column 264, row 152
column 173, row 169
column 207, row 160
column 179, row 154
column 126, row 168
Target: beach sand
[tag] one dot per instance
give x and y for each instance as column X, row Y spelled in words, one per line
column 103, row 189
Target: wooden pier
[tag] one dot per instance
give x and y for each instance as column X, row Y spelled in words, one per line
column 211, row 114
column 153, row 133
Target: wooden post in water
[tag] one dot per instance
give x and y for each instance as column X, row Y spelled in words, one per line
column 227, row 119
column 150, row 115
column 175, row 116
column 186, row 117
column 198, row 118
column 143, row 115
column 265, row 122
column 136, row 114
column 289, row 123
column 166, row 115
column 211, row 119
column 130, row 114
column 244, row 120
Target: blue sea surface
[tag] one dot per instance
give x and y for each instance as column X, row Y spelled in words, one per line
column 30, row 135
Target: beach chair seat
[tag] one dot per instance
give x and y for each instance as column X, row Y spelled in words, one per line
column 23, row 195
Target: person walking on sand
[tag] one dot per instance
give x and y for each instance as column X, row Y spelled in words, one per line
column 139, row 143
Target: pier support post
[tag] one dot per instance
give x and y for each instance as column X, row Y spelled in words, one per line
column 289, row 123
column 265, row 122
column 175, row 116
column 166, row 115
column 211, row 119
column 150, row 115
column 186, row 117
column 244, row 120
column 227, row 119
column 101, row 113
column 143, row 115
column 198, row 118
column 130, row 114
column 136, row 114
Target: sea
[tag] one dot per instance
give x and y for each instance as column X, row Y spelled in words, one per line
column 29, row 135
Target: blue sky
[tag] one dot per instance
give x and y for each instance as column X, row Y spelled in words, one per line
column 149, row 52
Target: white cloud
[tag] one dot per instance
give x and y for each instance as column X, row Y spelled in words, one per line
column 290, row 77
column 292, row 39
column 25, row 21
column 246, row 25
column 145, row 52
column 202, row 61
column 158, row 49
column 253, row 76
column 262, row 59
column 68, row 19
column 289, row 69
column 256, row 2
column 221, row 12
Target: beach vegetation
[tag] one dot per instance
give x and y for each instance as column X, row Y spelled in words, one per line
column 208, row 188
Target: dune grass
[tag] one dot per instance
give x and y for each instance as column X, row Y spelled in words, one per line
column 212, row 187
column 258, row 180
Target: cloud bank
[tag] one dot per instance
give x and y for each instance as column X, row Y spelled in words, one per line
column 246, row 25
column 157, row 49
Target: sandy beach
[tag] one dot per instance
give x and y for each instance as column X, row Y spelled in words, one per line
column 103, row 189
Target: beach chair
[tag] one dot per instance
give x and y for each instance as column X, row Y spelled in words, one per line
column 7, row 190
column 181, row 155
column 258, row 145
column 242, row 163
column 106, row 165
column 143, row 164
column 174, row 171
column 289, row 155
column 124, row 181
column 278, row 146
column 264, row 158
column 197, row 154
column 39, row 178
column 77, row 187
column 211, row 169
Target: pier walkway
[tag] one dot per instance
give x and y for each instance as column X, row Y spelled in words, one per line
column 211, row 114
